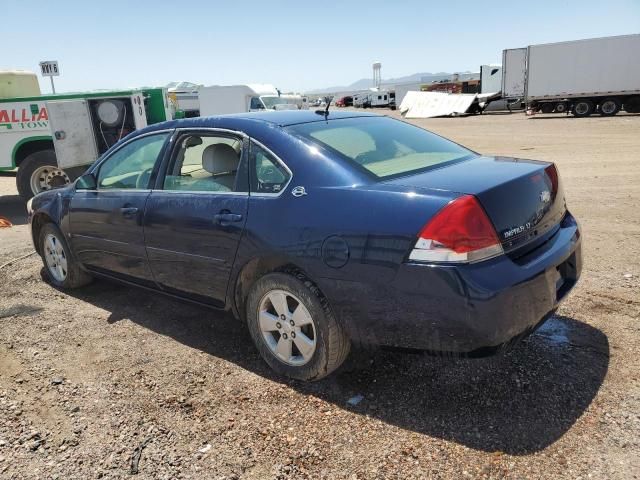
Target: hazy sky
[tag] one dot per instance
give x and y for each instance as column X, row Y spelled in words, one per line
column 296, row 45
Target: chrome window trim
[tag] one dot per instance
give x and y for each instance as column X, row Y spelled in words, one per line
column 134, row 190
column 228, row 131
column 213, row 129
column 281, row 162
column 198, row 192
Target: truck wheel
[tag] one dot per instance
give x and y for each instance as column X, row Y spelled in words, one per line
column 62, row 269
column 609, row 107
column 561, row 107
column 632, row 105
column 583, row 108
column 39, row 172
column 293, row 327
column 547, row 108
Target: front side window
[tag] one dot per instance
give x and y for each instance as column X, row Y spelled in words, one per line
column 130, row 167
column 256, row 104
column 267, row 174
column 204, row 163
column 382, row 146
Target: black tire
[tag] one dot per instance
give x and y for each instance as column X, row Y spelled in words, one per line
column 583, row 108
column 609, row 107
column 332, row 343
column 632, row 105
column 43, row 158
column 547, row 107
column 75, row 276
column 561, row 107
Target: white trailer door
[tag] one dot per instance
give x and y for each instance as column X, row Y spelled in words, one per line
column 490, row 78
column 514, row 72
column 139, row 115
column 73, row 137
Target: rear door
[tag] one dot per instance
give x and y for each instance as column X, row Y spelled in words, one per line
column 196, row 214
column 514, row 72
column 73, row 137
column 106, row 223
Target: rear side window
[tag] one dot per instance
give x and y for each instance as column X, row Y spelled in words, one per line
column 204, row 163
column 382, row 146
column 267, row 174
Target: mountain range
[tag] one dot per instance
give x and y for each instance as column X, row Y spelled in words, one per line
column 364, row 83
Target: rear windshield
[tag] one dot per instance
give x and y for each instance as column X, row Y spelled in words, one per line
column 382, row 146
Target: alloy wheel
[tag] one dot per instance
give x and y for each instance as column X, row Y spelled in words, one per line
column 287, row 327
column 55, row 257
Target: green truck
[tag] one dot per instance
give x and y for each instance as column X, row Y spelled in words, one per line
column 51, row 139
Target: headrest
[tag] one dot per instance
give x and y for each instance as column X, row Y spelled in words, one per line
column 219, row 158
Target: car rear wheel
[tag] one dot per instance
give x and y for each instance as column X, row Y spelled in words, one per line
column 60, row 266
column 293, row 327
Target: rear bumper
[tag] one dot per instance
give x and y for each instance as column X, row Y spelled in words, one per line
column 474, row 309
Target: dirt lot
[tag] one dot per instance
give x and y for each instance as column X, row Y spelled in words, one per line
column 92, row 380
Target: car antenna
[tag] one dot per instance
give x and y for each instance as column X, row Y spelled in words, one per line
column 325, row 112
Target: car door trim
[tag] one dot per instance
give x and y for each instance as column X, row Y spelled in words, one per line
column 215, row 259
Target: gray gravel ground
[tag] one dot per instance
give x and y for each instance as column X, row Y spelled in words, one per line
column 109, row 380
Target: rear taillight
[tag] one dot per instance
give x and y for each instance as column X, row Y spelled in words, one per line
column 461, row 232
column 552, row 173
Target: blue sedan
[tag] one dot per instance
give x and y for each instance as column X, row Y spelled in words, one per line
column 321, row 231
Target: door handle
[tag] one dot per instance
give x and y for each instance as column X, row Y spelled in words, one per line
column 225, row 218
column 128, row 211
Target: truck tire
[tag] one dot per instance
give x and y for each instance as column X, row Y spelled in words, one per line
column 293, row 327
column 583, row 108
column 39, row 172
column 547, row 107
column 609, row 107
column 561, row 107
column 632, row 105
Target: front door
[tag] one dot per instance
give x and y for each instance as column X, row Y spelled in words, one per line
column 196, row 215
column 106, row 223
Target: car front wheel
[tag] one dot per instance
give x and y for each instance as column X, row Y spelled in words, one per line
column 293, row 327
column 60, row 266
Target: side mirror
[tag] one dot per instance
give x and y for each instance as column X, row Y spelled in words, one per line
column 86, row 182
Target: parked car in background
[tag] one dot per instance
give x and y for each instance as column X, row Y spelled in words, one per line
column 320, row 231
column 345, row 101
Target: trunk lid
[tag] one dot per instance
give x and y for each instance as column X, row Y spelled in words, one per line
column 523, row 198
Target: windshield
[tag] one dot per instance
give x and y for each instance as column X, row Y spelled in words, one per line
column 270, row 102
column 382, row 146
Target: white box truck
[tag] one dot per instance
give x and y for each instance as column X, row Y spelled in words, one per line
column 598, row 75
column 222, row 100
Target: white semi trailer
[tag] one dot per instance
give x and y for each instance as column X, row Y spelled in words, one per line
column 598, row 75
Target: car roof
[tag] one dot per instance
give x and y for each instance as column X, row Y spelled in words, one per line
column 281, row 118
